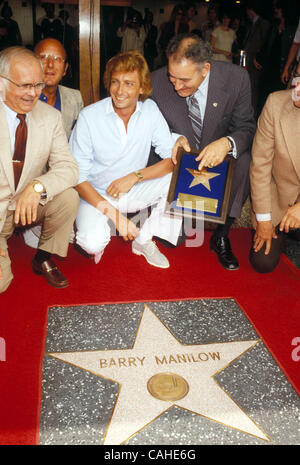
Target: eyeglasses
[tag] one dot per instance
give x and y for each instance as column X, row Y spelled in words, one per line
column 56, row 58
column 37, row 86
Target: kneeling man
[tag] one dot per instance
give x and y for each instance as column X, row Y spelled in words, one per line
column 275, row 178
column 111, row 143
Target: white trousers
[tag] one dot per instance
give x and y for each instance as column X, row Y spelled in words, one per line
column 94, row 231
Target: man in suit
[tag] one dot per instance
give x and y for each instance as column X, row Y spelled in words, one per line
column 68, row 101
column 223, row 99
column 255, row 38
column 275, row 177
column 37, row 169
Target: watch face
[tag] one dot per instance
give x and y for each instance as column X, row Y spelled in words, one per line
column 38, row 187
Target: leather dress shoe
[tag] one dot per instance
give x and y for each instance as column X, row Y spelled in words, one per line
column 221, row 245
column 51, row 273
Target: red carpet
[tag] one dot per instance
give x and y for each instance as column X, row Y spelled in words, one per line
column 271, row 303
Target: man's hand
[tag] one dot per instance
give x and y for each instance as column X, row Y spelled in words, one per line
column 183, row 143
column 291, row 219
column 2, row 254
column 214, row 153
column 285, row 76
column 126, row 228
column 122, row 185
column 257, row 65
column 264, row 233
column 26, row 209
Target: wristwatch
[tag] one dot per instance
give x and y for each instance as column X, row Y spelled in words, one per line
column 39, row 188
column 139, row 175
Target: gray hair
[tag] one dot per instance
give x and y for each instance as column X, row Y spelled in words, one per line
column 189, row 46
column 9, row 53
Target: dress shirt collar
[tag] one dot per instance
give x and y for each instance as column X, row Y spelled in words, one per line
column 11, row 115
column 110, row 109
column 201, row 92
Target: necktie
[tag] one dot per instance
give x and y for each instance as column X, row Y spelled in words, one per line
column 195, row 117
column 20, row 148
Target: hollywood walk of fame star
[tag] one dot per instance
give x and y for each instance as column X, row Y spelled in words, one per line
column 202, row 177
column 157, row 353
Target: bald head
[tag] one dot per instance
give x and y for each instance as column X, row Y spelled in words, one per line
column 50, row 42
column 54, row 60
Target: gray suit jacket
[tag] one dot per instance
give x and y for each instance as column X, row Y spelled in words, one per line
column 48, row 157
column 71, row 104
column 228, row 113
column 228, row 108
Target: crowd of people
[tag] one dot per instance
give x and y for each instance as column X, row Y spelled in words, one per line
column 70, row 173
column 265, row 36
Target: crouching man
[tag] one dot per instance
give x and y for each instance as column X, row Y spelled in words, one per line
column 37, row 169
column 111, row 143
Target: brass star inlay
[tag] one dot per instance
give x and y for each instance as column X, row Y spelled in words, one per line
column 202, row 177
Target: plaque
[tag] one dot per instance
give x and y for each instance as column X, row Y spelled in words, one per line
column 200, row 194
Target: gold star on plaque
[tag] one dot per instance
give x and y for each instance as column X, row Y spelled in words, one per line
column 159, row 372
column 202, row 177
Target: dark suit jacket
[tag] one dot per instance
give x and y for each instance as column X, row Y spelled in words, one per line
column 228, row 113
column 228, row 108
column 255, row 39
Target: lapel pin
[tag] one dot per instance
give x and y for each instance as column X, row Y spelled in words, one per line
column 215, row 104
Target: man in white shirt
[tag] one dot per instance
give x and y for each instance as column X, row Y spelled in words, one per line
column 111, row 143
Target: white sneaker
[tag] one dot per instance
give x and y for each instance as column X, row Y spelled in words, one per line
column 98, row 256
column 151, row 253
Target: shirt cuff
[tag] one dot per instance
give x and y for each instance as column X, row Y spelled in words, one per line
column 233, row 152
column 263, row 216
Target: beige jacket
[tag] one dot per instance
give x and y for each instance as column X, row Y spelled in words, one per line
column 275, row 167
column 47, row 147
column 71, row 104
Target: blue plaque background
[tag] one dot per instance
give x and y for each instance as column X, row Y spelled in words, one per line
column 185, row 178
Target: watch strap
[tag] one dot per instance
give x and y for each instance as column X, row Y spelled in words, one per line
column 139, row 175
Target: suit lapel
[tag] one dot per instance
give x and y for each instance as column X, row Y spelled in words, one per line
column 63, row 101
column 34, row 124
column 5, row 144
column 215, row 105
column 290, row 125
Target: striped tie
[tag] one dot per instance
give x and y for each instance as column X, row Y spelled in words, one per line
column 194, row 115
